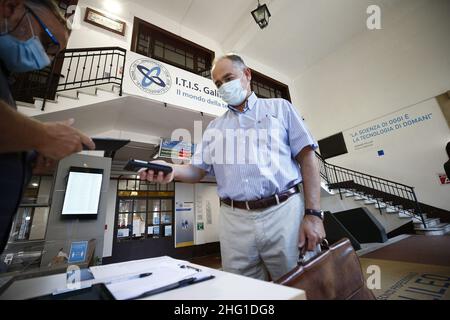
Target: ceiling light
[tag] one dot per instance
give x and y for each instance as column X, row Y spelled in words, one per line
column 261, row 15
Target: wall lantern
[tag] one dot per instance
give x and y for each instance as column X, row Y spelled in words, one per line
column 261, row 15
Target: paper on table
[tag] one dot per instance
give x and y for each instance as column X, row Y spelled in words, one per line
column 161, row 276
column 164, row 271
column 130, row 267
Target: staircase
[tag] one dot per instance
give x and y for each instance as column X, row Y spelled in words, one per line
column 388, row 197
column 91, row 74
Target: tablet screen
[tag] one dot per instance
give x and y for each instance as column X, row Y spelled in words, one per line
column 82, row 192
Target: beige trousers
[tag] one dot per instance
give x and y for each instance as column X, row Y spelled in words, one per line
column 254, row 243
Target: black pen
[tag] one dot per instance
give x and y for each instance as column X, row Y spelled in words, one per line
column 136, row 276
column 190, row 267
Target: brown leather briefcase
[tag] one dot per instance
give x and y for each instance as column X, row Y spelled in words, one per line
column 334, row 274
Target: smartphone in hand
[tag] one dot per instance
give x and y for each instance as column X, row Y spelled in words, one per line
column 136, row 165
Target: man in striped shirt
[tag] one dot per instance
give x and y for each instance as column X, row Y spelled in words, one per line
column 262, row 156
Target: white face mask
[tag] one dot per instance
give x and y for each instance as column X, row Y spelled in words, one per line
column 233, row 93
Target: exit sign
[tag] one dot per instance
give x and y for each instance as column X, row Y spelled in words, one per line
column 444, row 179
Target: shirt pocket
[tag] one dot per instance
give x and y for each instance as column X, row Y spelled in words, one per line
column 272, row 124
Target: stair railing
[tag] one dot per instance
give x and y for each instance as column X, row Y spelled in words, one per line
column 70, row 70
column 338, row 177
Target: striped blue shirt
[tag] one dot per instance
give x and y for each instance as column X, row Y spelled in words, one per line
column 252, row 153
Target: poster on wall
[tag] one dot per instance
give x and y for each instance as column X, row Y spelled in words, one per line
column 207, row 208
column 152, row 79
column 184, row 229
column 104, row 21
column 208, row 212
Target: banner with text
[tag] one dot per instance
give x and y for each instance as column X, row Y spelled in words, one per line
column 152, row 79
column 374, row 133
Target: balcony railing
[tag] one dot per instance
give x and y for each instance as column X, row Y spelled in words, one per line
column 70, row 70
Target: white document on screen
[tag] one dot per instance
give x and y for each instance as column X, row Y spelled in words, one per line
column 82, row 193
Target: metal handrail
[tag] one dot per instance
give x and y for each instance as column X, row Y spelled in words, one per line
column 389, row 187
column 80, row 68
column 358, row 172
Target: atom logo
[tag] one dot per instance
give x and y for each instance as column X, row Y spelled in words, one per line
column 150, row 76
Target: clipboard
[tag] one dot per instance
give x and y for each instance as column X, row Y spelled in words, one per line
column 131, row 287
column 176, row 285
column 164, row 274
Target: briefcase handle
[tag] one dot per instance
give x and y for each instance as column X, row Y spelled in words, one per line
column 324, row 245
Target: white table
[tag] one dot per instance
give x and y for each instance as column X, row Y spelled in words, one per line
column 225, row 286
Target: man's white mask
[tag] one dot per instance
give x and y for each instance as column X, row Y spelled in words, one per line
column 233, row 93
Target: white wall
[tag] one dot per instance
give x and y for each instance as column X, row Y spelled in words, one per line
column 380, row 72
column 99, row 37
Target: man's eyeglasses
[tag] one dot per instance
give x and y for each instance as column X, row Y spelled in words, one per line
column 55, row 45
column 46, row 29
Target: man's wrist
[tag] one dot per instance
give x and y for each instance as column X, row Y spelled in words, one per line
column 316, row 213
column 38, row 135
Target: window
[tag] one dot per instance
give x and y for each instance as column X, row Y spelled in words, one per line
column 30, row 222
column 265, row 87
column 144, row 210
column 154, row 42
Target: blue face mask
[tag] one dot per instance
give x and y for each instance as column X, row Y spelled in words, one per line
column 23, row 56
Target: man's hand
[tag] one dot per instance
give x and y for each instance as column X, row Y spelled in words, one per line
column 43, row 166
column 61, row 140
column 312, row 232
column 158, row 177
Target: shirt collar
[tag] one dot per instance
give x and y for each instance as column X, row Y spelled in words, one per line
column 249, row 104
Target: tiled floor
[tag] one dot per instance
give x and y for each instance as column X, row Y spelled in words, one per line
column 414, row 268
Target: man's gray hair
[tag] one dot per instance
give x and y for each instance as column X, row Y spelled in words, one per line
column 237, row 61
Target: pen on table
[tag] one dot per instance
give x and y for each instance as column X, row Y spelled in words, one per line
column 136, row 276
column 190, row 267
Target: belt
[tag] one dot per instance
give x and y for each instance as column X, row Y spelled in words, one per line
column 262, row 203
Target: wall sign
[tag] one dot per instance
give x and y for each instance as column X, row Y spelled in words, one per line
column 104, row 21
column 443, row 178
column 158, row 81
column 78, row 252
column 375, row 133
column 184, row 217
